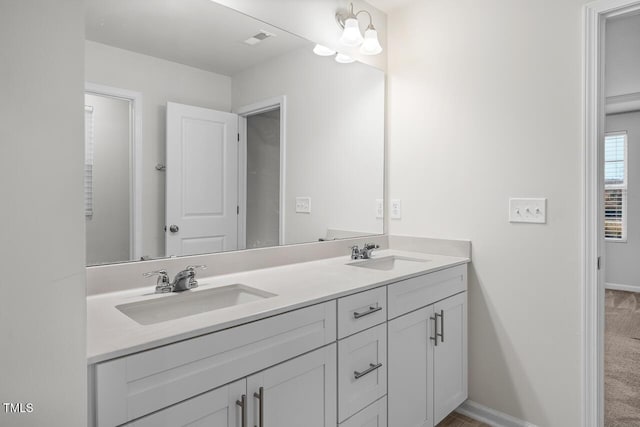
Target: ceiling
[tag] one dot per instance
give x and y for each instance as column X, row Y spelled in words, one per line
column 199, row 33
column 388, row 5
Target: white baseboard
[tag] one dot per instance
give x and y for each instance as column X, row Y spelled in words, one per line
column 621, row 287
column 490, row 416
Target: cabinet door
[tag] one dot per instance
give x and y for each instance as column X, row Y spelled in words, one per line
column 450, row 355
column 411, row 369
column 300, row 392
column 216, row 408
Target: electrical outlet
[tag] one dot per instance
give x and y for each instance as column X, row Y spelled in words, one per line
column 396, row 209
column 303, row 204
column 379, row 208
column 528, row 210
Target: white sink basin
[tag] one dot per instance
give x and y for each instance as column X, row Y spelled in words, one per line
column 176, row 305
column 388, row 262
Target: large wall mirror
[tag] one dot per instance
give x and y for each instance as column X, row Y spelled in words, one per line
column 208, row 130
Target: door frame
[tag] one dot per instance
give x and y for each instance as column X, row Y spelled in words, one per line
column 595, row 15
column 244, row 112
column 135, row 155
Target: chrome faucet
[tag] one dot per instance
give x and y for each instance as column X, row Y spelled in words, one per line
column 365, row 253
column 183, row 281
column 186, row 279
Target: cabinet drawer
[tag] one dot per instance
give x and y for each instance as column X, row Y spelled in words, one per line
column 411, row 294
column 374, row 415
column 362, row 370
column 214, row 408
column 361, row 311
column 133, row 386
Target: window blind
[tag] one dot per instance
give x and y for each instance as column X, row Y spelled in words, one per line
column 88, row 160
column 615, row 186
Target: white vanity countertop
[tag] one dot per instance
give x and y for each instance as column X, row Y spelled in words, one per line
column 111, row 334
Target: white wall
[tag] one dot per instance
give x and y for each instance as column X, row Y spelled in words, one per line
column 334, row 140
column 108, row 238
column 622, row 50
column 485, row 104
column 315, row 20
column 622, row 265
column 159, row 81
column 42, row 289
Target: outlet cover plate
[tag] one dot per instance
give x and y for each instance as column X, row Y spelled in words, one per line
column 532, row 210
column 379, row 208
column 303, row 204
column 396, row 209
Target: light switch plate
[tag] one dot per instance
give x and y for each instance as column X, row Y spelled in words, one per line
column 379, row 208
column 528, row 210
column 396, row 209
column 303, row 204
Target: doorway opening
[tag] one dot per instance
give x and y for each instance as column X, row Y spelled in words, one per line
column 111, row 174
column 596, row 175
column 261, row 174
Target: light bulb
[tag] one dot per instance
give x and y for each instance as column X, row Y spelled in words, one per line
column 344, row 59
column 323, row 50
column 371, row 45
column 351, row 35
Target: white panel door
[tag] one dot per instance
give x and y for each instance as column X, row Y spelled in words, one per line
column 450, row 356
column 217, row 408
column 300, row 392
column 410, row 393
column 202, row 180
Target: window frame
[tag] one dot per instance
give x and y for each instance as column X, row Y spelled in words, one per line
column 624, row 187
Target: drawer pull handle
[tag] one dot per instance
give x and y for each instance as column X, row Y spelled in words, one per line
column 243, row 405
column 260, row 396
column 370, row 369
column 435, row 339
column 371, row 310
column 441, row 334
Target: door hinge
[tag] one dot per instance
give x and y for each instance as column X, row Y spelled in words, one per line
column 238, row 210
column 598, row 263
column 238, row 137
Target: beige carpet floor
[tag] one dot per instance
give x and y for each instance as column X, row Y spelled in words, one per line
column 622, row 359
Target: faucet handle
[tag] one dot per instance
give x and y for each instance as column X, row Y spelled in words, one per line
column 370, row 246
column 192, row 282
column 194, row 267
column 163, row 284
column 355, row 252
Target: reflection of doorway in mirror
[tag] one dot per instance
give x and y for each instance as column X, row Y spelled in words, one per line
column 263, row 179
column 262, row 171
column 107, row 179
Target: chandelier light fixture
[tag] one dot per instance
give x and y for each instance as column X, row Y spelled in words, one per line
column 351, row 35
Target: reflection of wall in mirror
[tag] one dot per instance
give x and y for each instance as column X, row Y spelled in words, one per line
column 159, row 81
column 335, row 144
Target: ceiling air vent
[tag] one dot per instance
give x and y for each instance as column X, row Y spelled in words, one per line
column 262, row 35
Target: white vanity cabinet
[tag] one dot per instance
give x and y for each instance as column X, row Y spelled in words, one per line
column 428, row 350
column 395, row 354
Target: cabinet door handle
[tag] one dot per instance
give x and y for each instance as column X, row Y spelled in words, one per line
column 435, row 338
column 371, row 310
column 260, row 396
column 243, row 405
column 441, row 334
column 370, row 369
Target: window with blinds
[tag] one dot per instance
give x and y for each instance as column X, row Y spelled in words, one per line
column 88, row 160
column 615, row 186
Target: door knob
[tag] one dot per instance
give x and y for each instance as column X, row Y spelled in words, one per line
column 174, row 228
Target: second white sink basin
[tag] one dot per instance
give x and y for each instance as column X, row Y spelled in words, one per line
column 387, row 262
column 176, row 305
